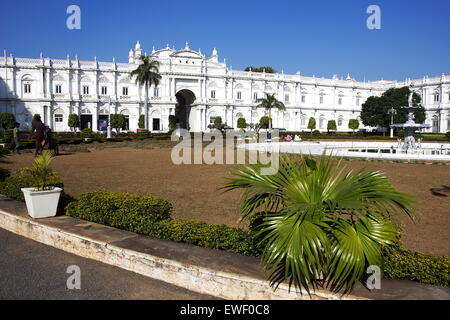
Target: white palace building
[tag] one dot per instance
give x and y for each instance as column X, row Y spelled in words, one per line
column 204, row 87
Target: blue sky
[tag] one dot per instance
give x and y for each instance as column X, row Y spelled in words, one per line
column 321, row 37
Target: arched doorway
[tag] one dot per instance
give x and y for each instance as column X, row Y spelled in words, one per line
column 185, row 99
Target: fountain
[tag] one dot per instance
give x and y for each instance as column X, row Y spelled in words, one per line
column 410, row 126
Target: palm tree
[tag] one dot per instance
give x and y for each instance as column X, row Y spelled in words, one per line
column 320, row 226
column 268, row 103
column 147, row 73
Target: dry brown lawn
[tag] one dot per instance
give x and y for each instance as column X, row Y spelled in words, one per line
column 193, row 189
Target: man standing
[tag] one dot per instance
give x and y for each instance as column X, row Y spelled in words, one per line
column 16, row 137
column 39, row 129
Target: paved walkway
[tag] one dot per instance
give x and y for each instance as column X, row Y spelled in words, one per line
column 30, row 270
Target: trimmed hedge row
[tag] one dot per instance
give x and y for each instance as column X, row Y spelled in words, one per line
column 127, row 212
column 151, row 216
column 404, row 264
column 122, row 210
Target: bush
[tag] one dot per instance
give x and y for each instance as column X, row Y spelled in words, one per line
column 316, row 133
column 7, row 120
column 121, row 210
column 401, row 134
column 144, row 133
column 12, row 186
column 447, row 135
column 404, row 264
column 86, row 133
column 360, row 134
column 141, row 121
column 4, row 173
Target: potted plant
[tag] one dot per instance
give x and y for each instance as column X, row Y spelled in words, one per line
column 42, row 199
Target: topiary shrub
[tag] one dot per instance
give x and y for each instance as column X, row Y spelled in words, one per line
column 359, row 134
column 86, row 133
column 316, row 133
column 121, row 210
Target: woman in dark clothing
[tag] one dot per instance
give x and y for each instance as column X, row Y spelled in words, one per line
column 39, row 133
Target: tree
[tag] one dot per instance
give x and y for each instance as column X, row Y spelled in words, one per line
column 217, row 124
column 264, row 122
column 331, row 125
column 172, row 122
column 241, row 123
column 147, row 74
column 141, row 122
column 311, row 124
column 269, row 103
column 7, row 120
column 73, row 122
column 320, row 225
column 374, row 112
column 353, row 124
column 117, row 122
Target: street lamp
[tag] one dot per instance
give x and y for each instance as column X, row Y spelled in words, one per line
column 108, row 129
column 392, row 112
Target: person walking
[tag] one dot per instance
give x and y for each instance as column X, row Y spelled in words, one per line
column 16, row 138
column 39, row 133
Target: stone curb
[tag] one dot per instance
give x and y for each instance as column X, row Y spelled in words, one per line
column 192, row 277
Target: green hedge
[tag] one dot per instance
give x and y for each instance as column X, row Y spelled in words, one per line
column 404, row 264
column 151, row 217
column 11, row 187
column 121, row 210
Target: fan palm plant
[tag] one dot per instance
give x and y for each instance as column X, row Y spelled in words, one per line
column 41, row 174
column 268, row 103
column 321, row 226
column 147, row 73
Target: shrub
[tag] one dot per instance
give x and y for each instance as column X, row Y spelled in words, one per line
column 117, row 122
column 144, row 133
column 74, row 121
column 141, row 121
column 172, row 122
column 404, row 264
column 7, row 136
column 12, row 186
column 401, row 134
column 359, row 134
column 86, row 133
column 4, row 173
column 316, row 133
column 121, row 210
column 447, row 135
column 7, row 120
column 264, row 122
column 241, row 123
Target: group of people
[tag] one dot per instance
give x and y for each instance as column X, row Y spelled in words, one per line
column 42, row 133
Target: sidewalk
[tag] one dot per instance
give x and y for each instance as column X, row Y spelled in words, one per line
column 212, row 272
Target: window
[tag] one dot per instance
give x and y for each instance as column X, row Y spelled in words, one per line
column 321, row 99
column 125, row 91
column 85, row 89
column 340, row 122
column 303, row 98
column 286, row 97
column 104, row 91
column 357, row 101
column 27, row 88
column 58, row 88
column 156, row 92
column 436, row 98
column 213, row 94
column 340, row 101
column 449, row 97
column 303, row 122
column 239, row 95
column 59, row 117
column 255, row 96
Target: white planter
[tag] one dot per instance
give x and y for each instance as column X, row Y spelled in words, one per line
column 41, row 204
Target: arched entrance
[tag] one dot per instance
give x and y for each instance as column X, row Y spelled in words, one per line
column 185, row 99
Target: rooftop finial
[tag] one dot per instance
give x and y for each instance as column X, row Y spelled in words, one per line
column 186, row 47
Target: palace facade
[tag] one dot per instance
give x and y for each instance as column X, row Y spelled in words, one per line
column 203, row 86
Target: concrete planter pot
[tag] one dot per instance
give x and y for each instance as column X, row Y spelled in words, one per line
column 41, row 204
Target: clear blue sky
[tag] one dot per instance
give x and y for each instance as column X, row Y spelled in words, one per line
column 318, row 37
